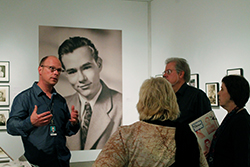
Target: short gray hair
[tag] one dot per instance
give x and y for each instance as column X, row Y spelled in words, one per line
column 181, row 65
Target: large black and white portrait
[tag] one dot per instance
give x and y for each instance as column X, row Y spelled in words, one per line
column 91, row 80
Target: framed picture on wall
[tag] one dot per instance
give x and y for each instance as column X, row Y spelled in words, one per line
column 4, row 71
column 5, row 157
column 235, row 71
column 212, row 90
column 4, row 95
column 158, row 75
column 4, row 115
column 194, row 80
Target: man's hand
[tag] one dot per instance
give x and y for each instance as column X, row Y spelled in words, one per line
column 74, row 116
column 40, row 119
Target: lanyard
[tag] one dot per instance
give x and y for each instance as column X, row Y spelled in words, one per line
column 52, row 127
column 50, row 107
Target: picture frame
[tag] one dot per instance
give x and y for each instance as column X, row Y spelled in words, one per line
column 235, row 71
column 194, row 80
column 4, row 71
column 4, row 95
column 4, row 157
column 212, row 90
column 4, row 115
column 158, row 75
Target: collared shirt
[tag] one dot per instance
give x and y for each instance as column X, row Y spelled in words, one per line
column 192, row 102
column 40, row 147
column 91, row 102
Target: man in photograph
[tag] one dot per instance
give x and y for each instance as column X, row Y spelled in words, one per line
column 100, row 108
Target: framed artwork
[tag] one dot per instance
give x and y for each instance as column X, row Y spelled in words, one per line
column 4, row 115
column 194, row 80
column 158, row 75
column 4, row 71
column 4, row 95
column 212, row 90
column 4, row 157
column 235, row 71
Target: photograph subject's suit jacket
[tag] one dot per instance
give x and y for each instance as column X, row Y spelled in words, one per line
column 105, row 120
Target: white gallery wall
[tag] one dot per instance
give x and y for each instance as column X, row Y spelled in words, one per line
column 213, row 35
column 19, row 25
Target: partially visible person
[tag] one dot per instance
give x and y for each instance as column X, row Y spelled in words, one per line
column 231, row 143
column 155, row 140
column 100, row 107
column 41, row 117
column 192, row 102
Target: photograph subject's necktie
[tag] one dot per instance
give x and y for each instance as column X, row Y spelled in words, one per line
column 85, row 123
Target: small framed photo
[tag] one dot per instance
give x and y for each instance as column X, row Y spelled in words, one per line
column 212, row 90
column 4, row 95
column 4, row 115
column 158, row 75
column 194, row 80
column 235, row 71
column 4, row 71
column 5, row 157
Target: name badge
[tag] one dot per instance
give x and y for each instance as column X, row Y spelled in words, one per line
column 53, row 130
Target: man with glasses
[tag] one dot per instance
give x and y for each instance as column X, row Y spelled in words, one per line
column 192, row 102
column 100, row 108
column 41, row 117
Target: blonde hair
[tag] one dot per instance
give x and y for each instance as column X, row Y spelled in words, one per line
column 157, row 100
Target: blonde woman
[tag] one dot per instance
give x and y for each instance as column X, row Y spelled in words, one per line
column 155, row 140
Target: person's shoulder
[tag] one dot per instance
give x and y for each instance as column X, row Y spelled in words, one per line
column 114, row 93
column 240, row 122
column 24, row 96
column 195, row 90
column 242, row 116
column 135, row 127
column 24, row 92
column 127, row 128
column 142, row 125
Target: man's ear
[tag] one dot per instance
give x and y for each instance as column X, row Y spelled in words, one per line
column 181, row 74
column 39, row 70
column 99, row 62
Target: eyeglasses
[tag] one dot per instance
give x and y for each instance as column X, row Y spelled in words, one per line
column 52, row 69
column 169, row 71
